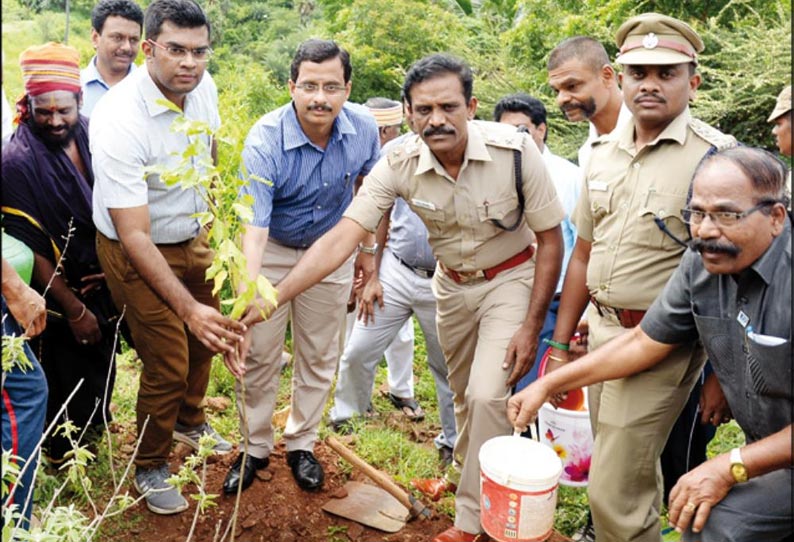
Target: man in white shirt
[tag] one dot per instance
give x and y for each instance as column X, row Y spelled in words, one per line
column 152, row 248
column 587, row 88
column 528, row 113
column 116, row 27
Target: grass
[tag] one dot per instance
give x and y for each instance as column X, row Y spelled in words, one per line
column 386, row 444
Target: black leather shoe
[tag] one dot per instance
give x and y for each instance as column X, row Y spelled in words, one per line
column 306, row 469
column 252, row 464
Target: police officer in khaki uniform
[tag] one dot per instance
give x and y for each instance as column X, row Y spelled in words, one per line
column 492, row 285
column 781, row 116
column 631, row 238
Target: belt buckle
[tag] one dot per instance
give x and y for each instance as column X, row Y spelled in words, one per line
column 470, row 276
column 424, row 273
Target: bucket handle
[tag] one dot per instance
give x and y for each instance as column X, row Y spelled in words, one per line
column 533, row 432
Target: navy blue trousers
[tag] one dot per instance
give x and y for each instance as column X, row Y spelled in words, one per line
column 24, row 407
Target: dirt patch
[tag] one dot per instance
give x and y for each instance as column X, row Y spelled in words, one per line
column 274, row 509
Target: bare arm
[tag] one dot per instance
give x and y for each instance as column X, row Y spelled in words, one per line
column 575, row 297
column 214, row 330
column 373, row 290
column 24, row 303
column 625, row 355
column 254, row 244
column 707, row 484
column 81, row 320
column 324, row 256
column 524, row 344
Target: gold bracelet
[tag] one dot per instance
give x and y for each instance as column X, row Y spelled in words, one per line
column 555, row 358
column 75, row 320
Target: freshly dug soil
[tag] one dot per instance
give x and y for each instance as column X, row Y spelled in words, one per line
column 275, row 509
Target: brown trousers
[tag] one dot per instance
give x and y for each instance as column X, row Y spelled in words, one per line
column 176, row 366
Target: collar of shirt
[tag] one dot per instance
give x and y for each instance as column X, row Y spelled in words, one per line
column 768, row 263
column 623, row 117
column 676, row 131
column 475, row 150
column 295, row 137
column 90, row 74
column 151, row 94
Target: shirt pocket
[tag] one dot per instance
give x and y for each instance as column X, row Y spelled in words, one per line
column 718, row 338
column 667, row 208
column 769, row 368
column 504, row 209
column 434, row 219
column 600, row 202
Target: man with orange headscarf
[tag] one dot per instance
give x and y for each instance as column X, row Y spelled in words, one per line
column 47, row 187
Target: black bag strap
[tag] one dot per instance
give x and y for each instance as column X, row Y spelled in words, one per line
column 519, row 191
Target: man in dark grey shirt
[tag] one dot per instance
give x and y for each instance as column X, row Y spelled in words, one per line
column 736, row 297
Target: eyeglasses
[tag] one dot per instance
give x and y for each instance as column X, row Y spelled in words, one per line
column 312, row 88
column 200, row 54
column 722, row 218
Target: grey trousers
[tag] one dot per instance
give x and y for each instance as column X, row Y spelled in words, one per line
column 759, row 510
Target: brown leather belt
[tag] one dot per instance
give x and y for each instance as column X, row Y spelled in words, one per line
column 628, row 318
column 462, row 277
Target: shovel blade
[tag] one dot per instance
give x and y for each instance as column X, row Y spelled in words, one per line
column 370, row 506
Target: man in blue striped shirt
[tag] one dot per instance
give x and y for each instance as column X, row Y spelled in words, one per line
column 313, row 151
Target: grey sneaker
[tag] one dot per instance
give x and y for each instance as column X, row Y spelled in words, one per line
column 161, row 497
column 191, row 436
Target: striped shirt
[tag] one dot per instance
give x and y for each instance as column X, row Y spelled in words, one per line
column 312, row 186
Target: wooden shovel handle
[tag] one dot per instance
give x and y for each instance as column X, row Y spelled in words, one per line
column 380, row 478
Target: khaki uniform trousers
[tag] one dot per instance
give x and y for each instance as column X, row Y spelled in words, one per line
column 176, row 366
column 632, row 418
column 475, row 324
column 317, row 316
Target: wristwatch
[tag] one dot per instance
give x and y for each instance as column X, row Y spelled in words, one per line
column 738, row 470
column 368, row 250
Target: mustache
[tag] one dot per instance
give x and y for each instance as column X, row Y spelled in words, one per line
column 438, row 130
column 570, row 106
column 652, row 97
column 319, row 107
column 701, row 245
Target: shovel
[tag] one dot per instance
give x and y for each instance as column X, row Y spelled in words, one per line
column 369, row 505
column 363, row 502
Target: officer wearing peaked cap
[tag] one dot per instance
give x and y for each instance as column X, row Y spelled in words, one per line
column 657, row 39
column 781, row 116
column 631, row 237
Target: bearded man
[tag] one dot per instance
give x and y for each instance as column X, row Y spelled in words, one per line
column 47, row 188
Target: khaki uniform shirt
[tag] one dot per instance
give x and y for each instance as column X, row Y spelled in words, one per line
column 631, row 258
column 457, row 213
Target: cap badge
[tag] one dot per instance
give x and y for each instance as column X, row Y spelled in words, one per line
column 650, row 41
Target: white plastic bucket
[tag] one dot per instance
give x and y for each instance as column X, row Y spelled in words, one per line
column 518, row 489
column 568, row 433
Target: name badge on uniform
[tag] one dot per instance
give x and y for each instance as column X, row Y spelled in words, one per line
column 743, row 319
column 423, row 204
column 601, row 186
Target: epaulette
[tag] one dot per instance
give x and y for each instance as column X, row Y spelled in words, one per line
column 710, row 134
column 405, row 150
column 500, row 135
